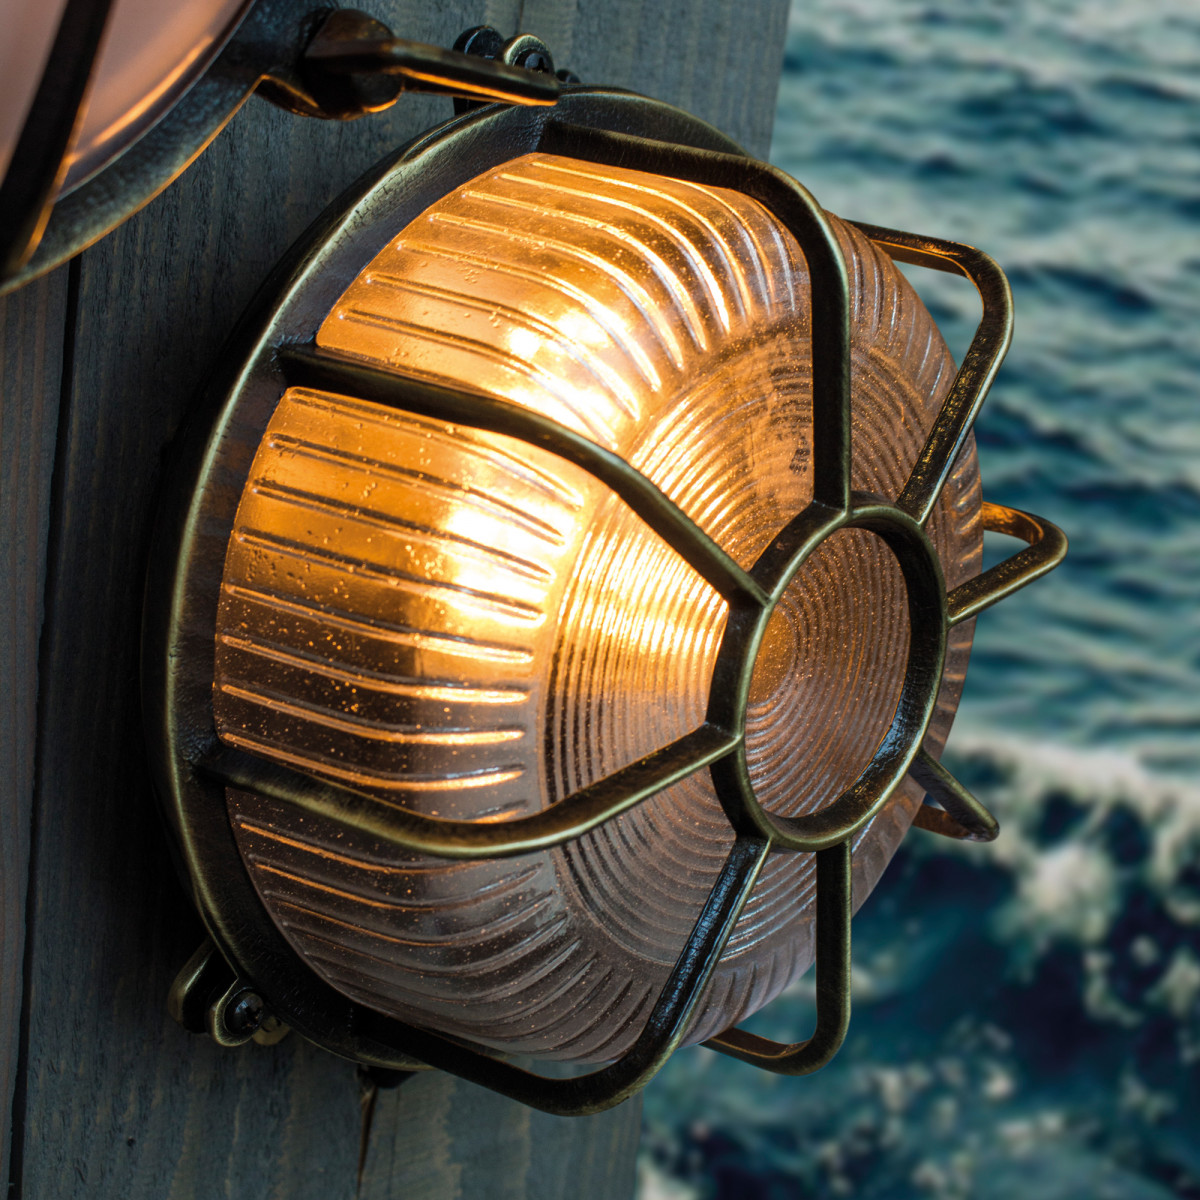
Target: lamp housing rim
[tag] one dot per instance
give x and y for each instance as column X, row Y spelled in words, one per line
column 620, row 129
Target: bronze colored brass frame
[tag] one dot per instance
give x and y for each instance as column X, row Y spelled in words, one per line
column 195, row 766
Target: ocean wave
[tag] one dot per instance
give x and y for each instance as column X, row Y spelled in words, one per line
column 1084, row 828
column 1061, row 137
column 1025, row 1013
column 1028, row 1012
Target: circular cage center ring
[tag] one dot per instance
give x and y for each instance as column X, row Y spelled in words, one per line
column 751, row 634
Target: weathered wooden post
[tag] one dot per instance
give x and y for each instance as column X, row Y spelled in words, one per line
column 103, row 1094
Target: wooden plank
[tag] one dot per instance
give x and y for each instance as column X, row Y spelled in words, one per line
column 116, row 1101
column 447, row 1139
column 31, row 347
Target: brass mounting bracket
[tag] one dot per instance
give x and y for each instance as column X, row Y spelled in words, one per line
column 207, row 996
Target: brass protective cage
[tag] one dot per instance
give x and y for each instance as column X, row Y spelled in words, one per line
column 195, row 766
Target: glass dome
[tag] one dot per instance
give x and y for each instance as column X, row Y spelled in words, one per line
column 463, row 625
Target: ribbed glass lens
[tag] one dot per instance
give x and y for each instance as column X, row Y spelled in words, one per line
column 466, row 626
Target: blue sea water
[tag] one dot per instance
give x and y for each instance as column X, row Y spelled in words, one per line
column 1027, row 1019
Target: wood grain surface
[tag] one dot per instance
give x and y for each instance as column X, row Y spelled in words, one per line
column 31, row 347
column 110, row 1098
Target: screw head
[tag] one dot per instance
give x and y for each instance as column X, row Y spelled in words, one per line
column 481, row 40
column 245, row 1013
column 534, row 59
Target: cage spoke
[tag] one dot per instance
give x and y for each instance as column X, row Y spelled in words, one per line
column 961, row 815
column 834, row 905
column 571, row 817
column 979, row 366
column 1046, row 549
column 804, row 218
column 662, row 1033
column 307, row 367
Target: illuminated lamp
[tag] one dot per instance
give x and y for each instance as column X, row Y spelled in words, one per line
column 559, row 609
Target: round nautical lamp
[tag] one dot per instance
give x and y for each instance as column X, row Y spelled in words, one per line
column 561, row 608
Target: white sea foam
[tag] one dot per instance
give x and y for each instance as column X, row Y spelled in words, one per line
column 1072, row 885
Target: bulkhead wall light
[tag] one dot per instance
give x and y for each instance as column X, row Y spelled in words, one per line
column 560, row 607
